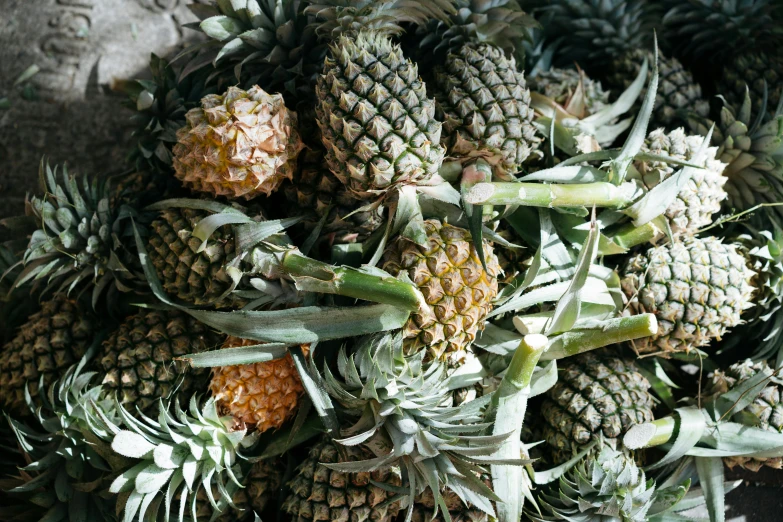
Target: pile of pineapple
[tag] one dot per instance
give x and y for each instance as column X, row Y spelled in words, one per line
column 400, row 260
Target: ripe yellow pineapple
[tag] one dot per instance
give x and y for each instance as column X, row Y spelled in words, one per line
column 239, row 145
column 264, row 394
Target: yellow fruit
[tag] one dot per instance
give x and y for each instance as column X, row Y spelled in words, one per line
column 264, row 395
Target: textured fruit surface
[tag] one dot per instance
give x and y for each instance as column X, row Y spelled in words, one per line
column 239, row 145
column 697, row 288
column 318, row 493
column 264, row 394
column 563, row 85
column 261, row 482
column 458, row 290
column 46, row 345
column 596, row 394
column 485, row 105
column 766, row 409
column 754, row 70
column 186, row 271
column 139, row 357
column 701, row 196
column 424, row 506
column 377, row 124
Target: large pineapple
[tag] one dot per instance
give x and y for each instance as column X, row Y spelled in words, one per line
column 701, row 196
column 52, row 339
column 318, row 493
column 457, row 289
column 752, row 148
column 138, row 359
column 610, row 38
column 597, row 394
column 262, row 395
column 697, row 288
column 765, row 412
column 239, row 145
column 606, row 484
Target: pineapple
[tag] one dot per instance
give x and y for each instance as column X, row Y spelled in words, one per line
column 605, row 485
column 424, row 507
column 752, row 148
column 320, row 493
column 239, row 145
column 457, row 289
column 696, row 287
column 53, row 338
column 262, row 395
column 576, row 92
column 317, row 192
column 485, row 105
column 700, row 197
column 613, row 37
column 765, row 412
column 597, row 394
column 377, row 123
column 138, row 359
column 761, row 71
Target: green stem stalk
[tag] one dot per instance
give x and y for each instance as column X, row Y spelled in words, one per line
column 650, row 434
column 612, row 331
column 316, row 276
column 600, row 194
column 629, row 236
column 520, row 371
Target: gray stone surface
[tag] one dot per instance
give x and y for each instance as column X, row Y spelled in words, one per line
column 66, row 111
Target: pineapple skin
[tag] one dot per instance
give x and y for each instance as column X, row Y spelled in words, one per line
column 46, row 345
column 596, row 394
column 458, row 290
column 485, row 105
column 320, row 494
column 766, row 407
column 697, row 288
column 264, row 395
column 239, row 145
column 752, row 70
column 377, row 124
column 262, row 483
column 138, row 359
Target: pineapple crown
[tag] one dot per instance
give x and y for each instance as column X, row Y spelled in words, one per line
column 748, row 392
column 398, row 406
column 68, row 460
column 337, row 17
column 714, row 29
column 605, row 484
column 499, row 22
column 78, row 237
column 272, row 43
column 178, row 455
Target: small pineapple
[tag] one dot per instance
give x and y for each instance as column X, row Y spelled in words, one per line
column 262, row 395
column 605, row 485
column 457, row 289
column 696, row 287
column 697, row 200
column 766, row 410
column 321, row 493
column 238, row 145
column 485, row 105
column 579, row 94
column 52, row 339
column 138, row 359
column 597, row 394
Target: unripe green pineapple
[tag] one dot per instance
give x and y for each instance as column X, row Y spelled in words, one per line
column 456, row 287
column 52, row 339
column 138, row 358
column 597, row 394
column 239, row 145
column 757, row 71
column 766, row 410
column 701, row 196
column 485, row 105
column 318, row 493
column 697, row 288
column 377, row 124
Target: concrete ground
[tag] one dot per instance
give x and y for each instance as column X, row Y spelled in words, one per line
column 67, row 112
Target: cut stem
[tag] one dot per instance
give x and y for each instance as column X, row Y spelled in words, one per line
column 650, row 434
column 520, row 370
column 629, row 236
column 600, row 194
column 610, row 332
column 316, row 276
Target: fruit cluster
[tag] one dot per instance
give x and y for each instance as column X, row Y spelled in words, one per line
column 411, row 260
